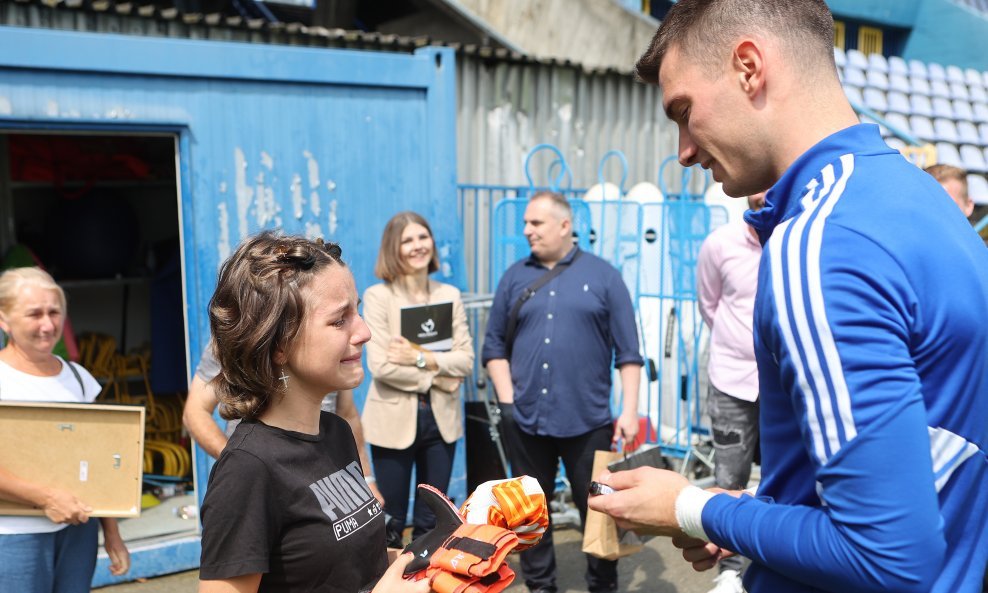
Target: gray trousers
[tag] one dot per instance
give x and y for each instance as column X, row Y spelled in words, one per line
column 734, row 423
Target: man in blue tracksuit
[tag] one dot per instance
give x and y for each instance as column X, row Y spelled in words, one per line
column 871, row 324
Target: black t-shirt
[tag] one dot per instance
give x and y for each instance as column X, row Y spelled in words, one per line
column 294, row 507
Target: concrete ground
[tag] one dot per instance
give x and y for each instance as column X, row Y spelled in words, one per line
column 657, row 569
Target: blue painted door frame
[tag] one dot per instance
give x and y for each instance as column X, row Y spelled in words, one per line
column 313, row 141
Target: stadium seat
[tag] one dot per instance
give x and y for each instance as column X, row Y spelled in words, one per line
column 947, row 154
column 984, row 79
column 917, row 69
column 958, row 90
column 962, row 110
column 920, row 105
column 922, row 128
column 878, row 63
column 967, row 133
column 980, row 113
column 899, row 82
column 935, row 71
column 955, row 74
column 899, row 66
column 973, row 159
column 854, row 96
column 919, row 85
column 972, row 77
column 896, row 143
column 898, row 103
column 875, row 100
column 977, row 188
column 881, row 128
column 854, row 77
column 939, row 88
column 977, row 94
column 856, row 59
column 877, row 80
column 945, row 130
column 983, row 133
column 840, row 58
column 942, row 108
column 900, row 123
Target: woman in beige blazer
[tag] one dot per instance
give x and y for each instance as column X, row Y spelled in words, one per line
column 413, row 414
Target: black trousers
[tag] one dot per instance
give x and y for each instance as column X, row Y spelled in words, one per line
column 538, row 456
column 432, row 459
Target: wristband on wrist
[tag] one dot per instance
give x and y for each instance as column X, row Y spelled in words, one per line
column 370, row 479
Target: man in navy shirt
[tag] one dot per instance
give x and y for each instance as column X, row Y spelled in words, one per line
column 554, row 379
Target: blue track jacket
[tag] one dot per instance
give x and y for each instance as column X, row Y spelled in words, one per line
column 871, row 334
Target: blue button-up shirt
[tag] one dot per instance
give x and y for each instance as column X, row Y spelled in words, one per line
column 566, row 337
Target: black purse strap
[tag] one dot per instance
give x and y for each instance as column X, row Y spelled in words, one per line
column 529, row 292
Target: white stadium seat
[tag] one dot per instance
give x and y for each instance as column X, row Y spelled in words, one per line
column 972, row 77
column 896, row 143
column 899, row 82
column 921, row 105
column 983, row 132
column 875, row 100
column 854, row 95
column 898, row 66
column 919, row 85
column 854, row 77
column 955, row 74
column 917, row 68
column 935, row 71
column 922, row 128
column 899, row 103
column 977, row 188
column 977, row 94
column 877, row 80
column 980, row 113
column 947, row 154
column 984, row 79
column 939, row 88
column 840, row 58
column 856, row 59
column 967, row 133
column 942, row 108
column 958, row 90
column 962, row 110
column 899, row 122
column 878, row 63
column 973, row 159
column 945, row 130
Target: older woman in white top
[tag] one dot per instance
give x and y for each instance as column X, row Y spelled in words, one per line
column 55, row 553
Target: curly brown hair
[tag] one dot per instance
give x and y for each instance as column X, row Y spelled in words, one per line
column 257, row 310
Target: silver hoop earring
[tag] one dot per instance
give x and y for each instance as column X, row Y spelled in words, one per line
column 284, row 380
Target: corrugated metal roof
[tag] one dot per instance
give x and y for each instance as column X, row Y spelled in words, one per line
column 163, row 19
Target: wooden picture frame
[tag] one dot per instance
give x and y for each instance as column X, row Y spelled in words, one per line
column 94, row 451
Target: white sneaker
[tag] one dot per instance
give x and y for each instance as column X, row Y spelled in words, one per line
column 728, row 581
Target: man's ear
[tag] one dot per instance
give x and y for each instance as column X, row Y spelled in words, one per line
column 748, row 62
column 3, row 323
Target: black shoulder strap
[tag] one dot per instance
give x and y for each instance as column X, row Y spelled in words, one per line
column 78, row 378
column 529, row 292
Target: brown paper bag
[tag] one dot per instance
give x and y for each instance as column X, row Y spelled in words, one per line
column 601, row 536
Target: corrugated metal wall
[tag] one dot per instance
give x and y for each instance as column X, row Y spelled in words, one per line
column 506, row 104
column 505, row 108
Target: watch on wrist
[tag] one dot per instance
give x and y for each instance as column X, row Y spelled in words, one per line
column 420, row 360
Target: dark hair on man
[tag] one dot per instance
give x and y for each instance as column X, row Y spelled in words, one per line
column 257, row 310
column 390, row 266
column 702, row 29
column 559, row 203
